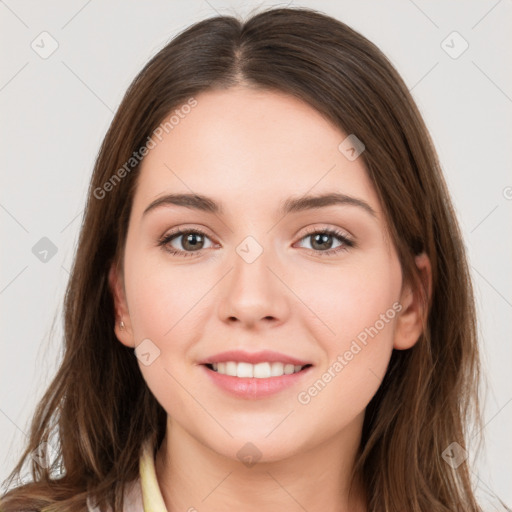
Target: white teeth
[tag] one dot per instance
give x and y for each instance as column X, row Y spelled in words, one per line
column 276, row 369
column 288, row 369
column 242, row 369
column 231, row 368
column 259, row 371
column 262, row 370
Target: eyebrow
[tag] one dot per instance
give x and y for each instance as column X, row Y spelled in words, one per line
column 291, row 205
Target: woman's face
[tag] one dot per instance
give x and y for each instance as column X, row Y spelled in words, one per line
column 264, row 274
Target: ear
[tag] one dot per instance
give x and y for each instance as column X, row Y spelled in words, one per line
column 413, row 316
column 116, row 283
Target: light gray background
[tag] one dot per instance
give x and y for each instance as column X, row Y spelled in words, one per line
column 55, row 112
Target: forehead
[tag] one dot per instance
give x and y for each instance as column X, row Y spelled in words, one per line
column 250, row 147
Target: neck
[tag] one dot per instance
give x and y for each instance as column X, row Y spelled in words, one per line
column 194, row 478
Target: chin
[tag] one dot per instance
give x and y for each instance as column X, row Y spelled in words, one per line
column 257, row 447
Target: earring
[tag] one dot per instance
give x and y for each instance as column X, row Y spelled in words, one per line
column 121, row 324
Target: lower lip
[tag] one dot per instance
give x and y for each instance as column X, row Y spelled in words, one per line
column 253, row 388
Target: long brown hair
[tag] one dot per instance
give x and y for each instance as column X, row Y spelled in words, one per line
column 98, row 401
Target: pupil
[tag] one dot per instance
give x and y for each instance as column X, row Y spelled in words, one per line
column 191, row 239
column 322, row 238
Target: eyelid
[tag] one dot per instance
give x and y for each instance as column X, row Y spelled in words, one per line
column 340, row 231
column 184, row 229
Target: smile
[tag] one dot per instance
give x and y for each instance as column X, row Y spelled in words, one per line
column 259, row 371
column 254, row 381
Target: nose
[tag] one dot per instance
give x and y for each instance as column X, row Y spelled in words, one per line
column 255, row 293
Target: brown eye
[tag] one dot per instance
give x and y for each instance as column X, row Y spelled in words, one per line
column 192, row 241
column 322, row 241
column 184, row 242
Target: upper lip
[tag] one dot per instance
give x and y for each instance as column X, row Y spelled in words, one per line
column 241, row 356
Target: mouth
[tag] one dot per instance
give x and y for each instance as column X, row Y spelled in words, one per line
column 264, row 370
column 255, row 381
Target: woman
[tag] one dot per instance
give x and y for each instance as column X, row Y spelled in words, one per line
column 213, row 360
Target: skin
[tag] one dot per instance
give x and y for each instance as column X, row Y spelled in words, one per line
column 249, row 150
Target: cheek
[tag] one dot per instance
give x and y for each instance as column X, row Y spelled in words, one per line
column 357, row 306
column 350, row 299
column 162, row 296
column 345, row 386
column 164, row 302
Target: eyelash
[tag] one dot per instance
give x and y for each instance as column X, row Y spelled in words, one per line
column 346, row 242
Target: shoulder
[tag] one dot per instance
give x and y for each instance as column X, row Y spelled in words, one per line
column 132, row 498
